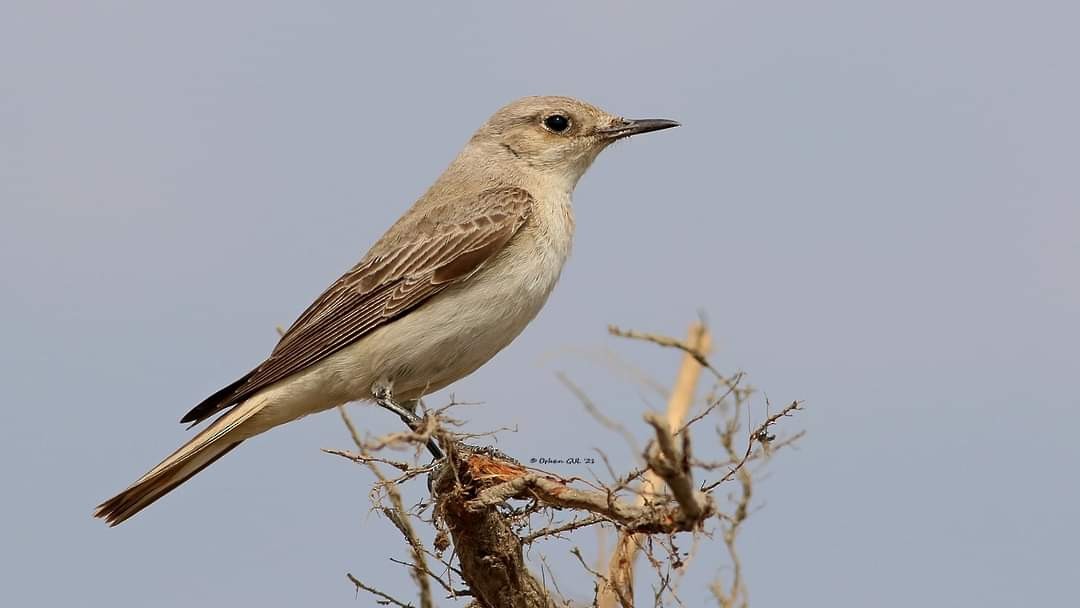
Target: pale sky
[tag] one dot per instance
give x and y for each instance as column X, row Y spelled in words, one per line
column 875, row 204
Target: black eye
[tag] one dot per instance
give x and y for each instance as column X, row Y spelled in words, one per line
column 557, row 123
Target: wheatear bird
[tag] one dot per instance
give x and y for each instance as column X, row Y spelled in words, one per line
column 447, row 287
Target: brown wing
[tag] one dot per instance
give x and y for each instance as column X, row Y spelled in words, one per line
column 416, row 259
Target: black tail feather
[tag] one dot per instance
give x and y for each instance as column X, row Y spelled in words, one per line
column 215, row 403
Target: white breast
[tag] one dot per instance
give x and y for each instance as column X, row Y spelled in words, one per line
column 463, row 327
column 445, row 339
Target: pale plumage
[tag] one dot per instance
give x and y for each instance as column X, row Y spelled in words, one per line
column 448, row 286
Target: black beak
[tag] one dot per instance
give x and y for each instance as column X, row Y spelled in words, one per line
column 628, row 127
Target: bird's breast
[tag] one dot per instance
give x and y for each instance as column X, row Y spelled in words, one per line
column 456, row 331
column 469, row 323
column 518, row 281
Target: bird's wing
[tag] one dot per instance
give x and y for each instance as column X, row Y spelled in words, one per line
column 417, row 258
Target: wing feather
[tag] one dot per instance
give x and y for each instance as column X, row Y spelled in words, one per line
column 414, row 261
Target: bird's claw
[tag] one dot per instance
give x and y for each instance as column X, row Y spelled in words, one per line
column 383, row 395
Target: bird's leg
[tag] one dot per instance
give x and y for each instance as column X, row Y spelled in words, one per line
column 384, row 397
column 413, row 405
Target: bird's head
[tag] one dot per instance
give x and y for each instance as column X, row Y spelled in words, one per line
column 557, row 136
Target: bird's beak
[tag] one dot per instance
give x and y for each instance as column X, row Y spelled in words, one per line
column 626, row 127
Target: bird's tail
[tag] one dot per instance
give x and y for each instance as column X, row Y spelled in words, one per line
column 205, row 448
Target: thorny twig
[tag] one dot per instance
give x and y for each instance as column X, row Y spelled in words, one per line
column 669, row 342
column 386, row 599
column 760, row 434
column 398, row 515
column 567, row 527
column 476, row 486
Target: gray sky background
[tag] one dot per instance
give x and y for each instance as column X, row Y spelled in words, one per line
column 876, row 205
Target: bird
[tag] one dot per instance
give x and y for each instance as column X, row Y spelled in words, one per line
column 449, row 285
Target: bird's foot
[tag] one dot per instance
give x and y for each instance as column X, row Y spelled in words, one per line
column 485, row 450
column 478, row 466
column 383, row 395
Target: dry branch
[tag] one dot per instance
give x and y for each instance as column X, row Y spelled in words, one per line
column 473, row 490
column 490, row 554
column 620, row 580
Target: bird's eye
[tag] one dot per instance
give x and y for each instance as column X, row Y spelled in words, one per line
column 557, row 123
